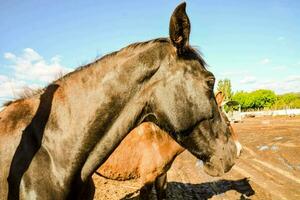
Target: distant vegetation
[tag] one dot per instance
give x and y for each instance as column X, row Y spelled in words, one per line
column 289, row 100
column 225, row 87
column 259, row 99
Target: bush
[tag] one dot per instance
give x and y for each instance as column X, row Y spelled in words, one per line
column 258, row 99
column 289, row 100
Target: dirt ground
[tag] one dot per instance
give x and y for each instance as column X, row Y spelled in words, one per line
column 269, row 168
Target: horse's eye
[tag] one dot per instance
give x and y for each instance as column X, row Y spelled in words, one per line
column 210, row 82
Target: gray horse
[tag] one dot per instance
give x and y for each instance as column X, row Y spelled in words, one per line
column 52, row 142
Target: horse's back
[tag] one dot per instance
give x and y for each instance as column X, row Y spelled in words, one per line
column 13, row 120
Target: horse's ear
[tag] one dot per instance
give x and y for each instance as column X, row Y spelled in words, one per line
column 180, row 28
column 219, row 98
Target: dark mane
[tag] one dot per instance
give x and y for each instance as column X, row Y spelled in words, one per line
column 131, row 46
column 24, row 94
column 190, row 53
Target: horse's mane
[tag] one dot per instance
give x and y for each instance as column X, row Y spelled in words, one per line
column 191, row 52
column 131, row 46
column 25, row 93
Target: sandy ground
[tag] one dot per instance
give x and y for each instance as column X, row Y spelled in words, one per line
column 270, row 160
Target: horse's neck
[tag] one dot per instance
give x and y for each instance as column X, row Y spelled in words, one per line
column 96, row 107
column 99, row 92
column 175, row 148
column 178, row 147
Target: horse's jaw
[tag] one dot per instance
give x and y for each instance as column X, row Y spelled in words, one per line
column 223, row 159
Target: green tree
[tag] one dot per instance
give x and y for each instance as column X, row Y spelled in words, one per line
column 288, row 100
column 258, row 99
column 244, row 99
column 263, row 99
column 295, row 103
column 225, row 87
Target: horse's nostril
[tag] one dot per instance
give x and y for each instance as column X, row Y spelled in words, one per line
column 241, row 152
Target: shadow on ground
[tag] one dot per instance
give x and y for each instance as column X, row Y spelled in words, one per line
column 188, row 191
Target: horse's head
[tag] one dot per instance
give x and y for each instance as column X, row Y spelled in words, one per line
column 183, row 103
column 214, row 166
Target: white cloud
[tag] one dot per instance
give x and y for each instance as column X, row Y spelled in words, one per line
column 281, row 38
column 31, row 55
column 29, row 69
column 10, row 88
column 294, row 78
column 3, row 78
column 290, row 84
column 279, row 68
column 9, row 56
column 32, row 66
column 265, row 61
column 279, row 86
column 248, row 80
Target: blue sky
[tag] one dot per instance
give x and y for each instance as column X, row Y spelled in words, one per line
column 256, row 44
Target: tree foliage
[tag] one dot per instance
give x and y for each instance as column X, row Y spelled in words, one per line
column 225, row 87
column 258, row 99
column 288, row 100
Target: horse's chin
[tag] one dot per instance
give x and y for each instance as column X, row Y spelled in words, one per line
column 212, row 170
column 215, row 167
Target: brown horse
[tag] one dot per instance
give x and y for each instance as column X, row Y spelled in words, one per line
column 52, row 142
column 147, row 153
column 220, row 99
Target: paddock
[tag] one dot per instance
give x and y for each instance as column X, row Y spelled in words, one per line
column 270, row 160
